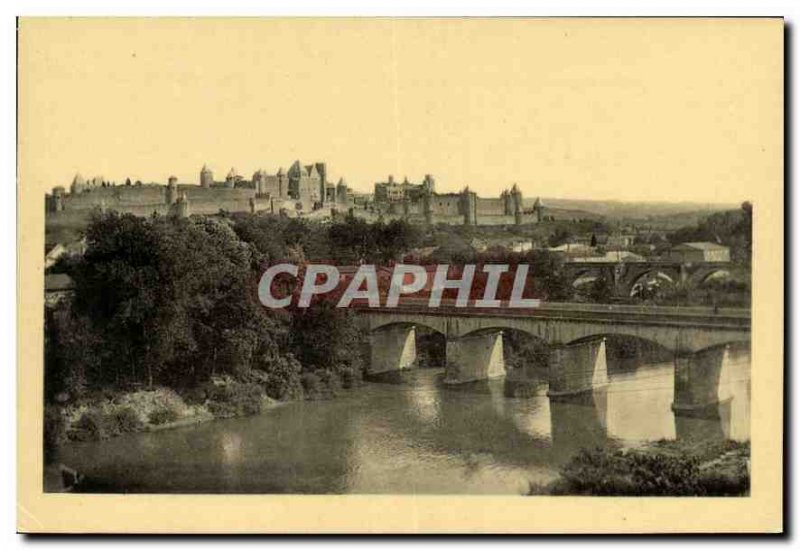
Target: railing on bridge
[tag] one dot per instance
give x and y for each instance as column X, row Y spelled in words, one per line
column 644, row 313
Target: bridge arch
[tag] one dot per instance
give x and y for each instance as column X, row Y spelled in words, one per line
column 704, row 276
column 617, row 336
column 657, row 275
column 380, row 326
column 505, row 328
column 730, row 343
column 586, row 277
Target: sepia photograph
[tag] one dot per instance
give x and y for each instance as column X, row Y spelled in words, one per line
column 533, row 261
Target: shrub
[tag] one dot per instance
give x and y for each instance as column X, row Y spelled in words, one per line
column 330, row 380
column 645, row 473
column 126, row 420
column 280, row 377
column 92, row 425
column 312, row 385
column 351, row 377
column 162, row 415
column 55, row 431
column 231, row 398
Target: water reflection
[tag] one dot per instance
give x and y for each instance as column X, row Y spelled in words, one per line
column 416, row 435
column 713, row 424
column 578, row 422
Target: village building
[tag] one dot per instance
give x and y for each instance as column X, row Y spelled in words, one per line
column 700, row 252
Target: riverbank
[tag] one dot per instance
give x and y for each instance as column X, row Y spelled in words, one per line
column 661, row 468
column 110, row 413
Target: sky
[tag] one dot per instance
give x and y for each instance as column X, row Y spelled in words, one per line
column 659, row 109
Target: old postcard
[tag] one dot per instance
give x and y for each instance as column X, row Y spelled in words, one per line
column 400, row 275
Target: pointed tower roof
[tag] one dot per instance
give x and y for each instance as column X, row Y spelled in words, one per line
column 538, row 203
column 205, row 168
column 232, row 173
column 515, row 189
column 280, row 171
column 313, row 172
column 296, row 169
column 78, row 179
column 342, row 182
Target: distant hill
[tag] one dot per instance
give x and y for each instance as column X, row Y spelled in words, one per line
column 571, row 213
column 691, row 211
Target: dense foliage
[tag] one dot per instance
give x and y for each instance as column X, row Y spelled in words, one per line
column 732, row 228
column 173, row 302
column 656, row 472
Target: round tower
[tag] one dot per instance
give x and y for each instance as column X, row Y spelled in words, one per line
column 56, row 200
column 538, row 208
column 516, row 199
column 230, row 179
column 429, row 183
column 182, row 206
column 427, row 210
column 206, row 176
column 469, row 205
column 341, row 191
column 172, row 190
column 78, row 184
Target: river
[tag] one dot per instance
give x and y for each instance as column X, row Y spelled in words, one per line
column 412, row 436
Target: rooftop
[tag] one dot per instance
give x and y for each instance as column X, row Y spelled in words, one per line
column 699, row 246
column 58, row 281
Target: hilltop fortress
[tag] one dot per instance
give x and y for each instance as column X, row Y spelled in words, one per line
column 421, row 203
column 302, row 190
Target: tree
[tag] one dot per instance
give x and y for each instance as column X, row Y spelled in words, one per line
column 72, row 353
column 326, row 337
column 172, row 300
column 560, row 236
column 601, row 291
column 396, row 238
column 732, row 228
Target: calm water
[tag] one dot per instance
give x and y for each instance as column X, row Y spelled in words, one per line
column 411, row 437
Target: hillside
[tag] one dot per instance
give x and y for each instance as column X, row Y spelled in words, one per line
column 638, row 210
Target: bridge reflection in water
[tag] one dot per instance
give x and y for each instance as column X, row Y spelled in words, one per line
column 575, row 335
column 417, row 435
column 452, row 429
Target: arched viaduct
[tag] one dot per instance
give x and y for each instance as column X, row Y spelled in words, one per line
column 575, row 333
column 624, row 276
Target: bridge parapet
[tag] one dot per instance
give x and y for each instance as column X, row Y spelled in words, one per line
column 472, row 339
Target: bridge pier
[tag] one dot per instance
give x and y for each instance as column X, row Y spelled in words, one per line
column 393, row 348
column 577, row 369
column 697, row 389
column 474, row 357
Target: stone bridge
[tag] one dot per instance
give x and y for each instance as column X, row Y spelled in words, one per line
column 626, row 277
column 575, row 333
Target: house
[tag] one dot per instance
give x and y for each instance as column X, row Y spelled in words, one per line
column 52, row 255
column 572, row 249
column 700, row 252
column 521, row 246
column 619, row 241
column 57, row 286
column 611, row 257
column 77, row 248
